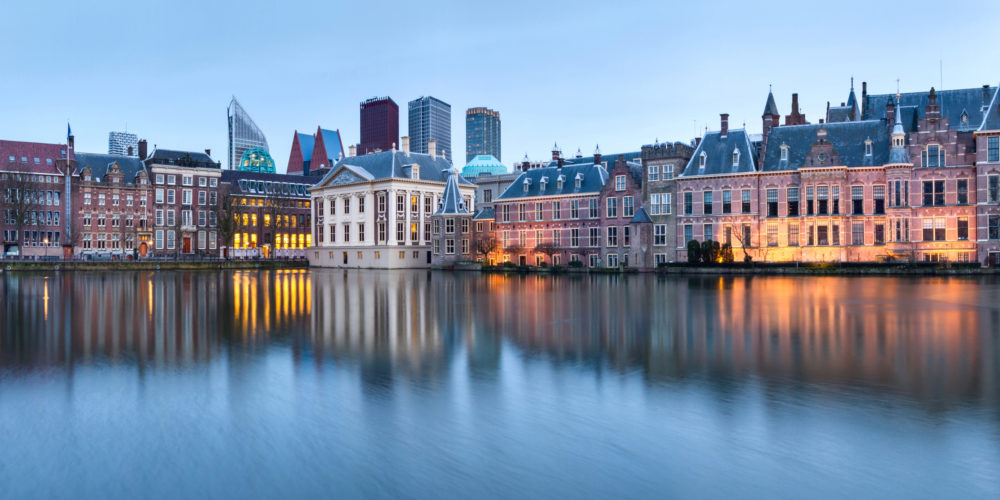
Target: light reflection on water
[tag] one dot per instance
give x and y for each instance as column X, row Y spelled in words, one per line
column 419, row 383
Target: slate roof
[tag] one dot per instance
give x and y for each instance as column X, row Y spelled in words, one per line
column 175, row 158
column 848, row 140
column 387, row 164
column 770, row 108
column 641, row 216
column 306, row 143
column 991, row 120
column 485, row 214
column 952, row 103
column 24, row 154
column 718, row 154
column 839, row 114
column 99, row 164
column 451, row 202
column 592, row 176
column 634, row 156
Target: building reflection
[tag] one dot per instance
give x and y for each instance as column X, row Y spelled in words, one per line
column 933, row 339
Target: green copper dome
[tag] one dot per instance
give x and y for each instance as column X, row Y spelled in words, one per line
column 257, row 160
column 483, row 164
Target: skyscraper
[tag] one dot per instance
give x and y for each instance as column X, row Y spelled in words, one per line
column 430, row 118
column 243, row 134
column 120, row 142
column 379, row 125
column 482, row 133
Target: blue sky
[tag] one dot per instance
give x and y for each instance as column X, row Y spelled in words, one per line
column 618, row 74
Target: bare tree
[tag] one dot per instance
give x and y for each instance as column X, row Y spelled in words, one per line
column 227, row 214
column 484, row 245
column 548, row 248
column 743, row 236
column 21, row 196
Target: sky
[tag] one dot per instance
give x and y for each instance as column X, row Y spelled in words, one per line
column 618, row 74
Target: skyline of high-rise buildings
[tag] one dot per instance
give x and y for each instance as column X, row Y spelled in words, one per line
column 379, row 125
column 123, row 143
column 430, row 119
column 482, row 133
column 244, row 134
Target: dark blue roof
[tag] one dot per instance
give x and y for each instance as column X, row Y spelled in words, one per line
column 641, row 216
column 182, row 159
column 99, row 164
column 386, row 164
column 848, row 140
column 485, row 214
column 592, row 179
column 991, row 120
column 770, row 108
column 839, row 114
column 953, row 104
column 718, row 152
column 451, row 202
column 609, row 159
column 306, row 142
column 334, row 146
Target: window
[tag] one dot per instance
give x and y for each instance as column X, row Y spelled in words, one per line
column 361, row 205
column 400, row 203
column 963, row 191
column 574, row 237
column 701, row 160
column 784, row 152
column 857, row 233
column 793, row 234
column 668, row 172
column 727, row 201
column 612, row 260
column 465, row 226
column 593, row 209
column 414, row 204
column 660, row 234
column 688, row 233
column 666, row 203
column 793, row 202
column 688, row 203
column 171, row 180
column 747, row 242
column 993, row 148
column 836, row 200
column 879, row 233
column 772, row 234
column 574, row 209
column 619, row 183
column 170, row 197
column 879, row 196
column 415, row 232
column 612, row 236
column 993, row 188
column 868, row 147
column 822, row 200
column 857, row 200
column 994, row 227
column 449, row 226
column 928, row 232
column 746, row 201
column 933, row 156
column 538, row 211
column 400, row 233
column 822, row 235
column 612, row 207
column 707, row 202
column 187, row 180
column 654, row 204
column 654, row 172
column 939, row 228
column 707, row 233
column 772, row 207
column 736, row 157
column 556, row 210
column 595, row 236
column 963, row 228
column 505, row 213
column 933, row 193
column 487, row 195
column 810, row 200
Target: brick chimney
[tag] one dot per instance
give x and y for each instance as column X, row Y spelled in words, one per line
column 597, row 155
column 406, row 144
column 142, row 149
column 432, row 146
column 724, row 124
column 890, row 111
column 525, row 164
column 864, row 98
column 352, row 151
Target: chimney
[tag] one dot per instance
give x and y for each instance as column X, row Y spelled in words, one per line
column 526, row 164
column 130, row 151
column 890, row 111
column 352, row 151
column 142, row 149
column 725, row 124
column 555, row 152
column 933, row 111
column 986, row 95
column 795, row 118
column 864, row 98
column 561, row 162
column 597, row 155
column 406, row 144
column 208, row 152
column 432, row 146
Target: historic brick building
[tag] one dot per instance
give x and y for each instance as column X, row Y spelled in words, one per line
column 662, row 163
column 273, row 213
column 185, row 189
column 35, row 191
column 451, row 225
column 112, row 209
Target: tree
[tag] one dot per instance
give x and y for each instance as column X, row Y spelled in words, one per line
column 743, row 237
column 710, row 251
column 484, row 245
column 227, row 214
column 694, row 252
column 548, row 249
column 726, row 253
column 21, row 196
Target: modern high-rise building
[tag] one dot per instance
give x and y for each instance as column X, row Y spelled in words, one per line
column 243, row 134
column 379, row 125
column 430, row 119
column 123, row 144
column 482, row 133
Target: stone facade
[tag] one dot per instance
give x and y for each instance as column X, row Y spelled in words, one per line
column 662, row 163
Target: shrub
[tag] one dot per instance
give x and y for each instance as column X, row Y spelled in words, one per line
column 726, row 253
column 709, row 251
column 575, row 263
column 694, row 252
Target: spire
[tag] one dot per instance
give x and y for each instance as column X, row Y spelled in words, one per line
column 852, row 102
column 898, row 152
column 770, row 108
column 451, row 201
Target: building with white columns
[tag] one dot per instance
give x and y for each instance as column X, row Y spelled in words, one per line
column 374, row 210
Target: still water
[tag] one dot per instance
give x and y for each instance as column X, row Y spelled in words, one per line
column 426, row 384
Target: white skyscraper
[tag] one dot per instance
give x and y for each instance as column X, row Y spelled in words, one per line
column 243, row 134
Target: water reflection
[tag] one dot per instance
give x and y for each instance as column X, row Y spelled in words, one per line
column 930, row 339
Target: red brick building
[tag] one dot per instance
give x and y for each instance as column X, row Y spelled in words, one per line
column 35, row 188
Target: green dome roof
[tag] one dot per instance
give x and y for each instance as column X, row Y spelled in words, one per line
column 483, row 164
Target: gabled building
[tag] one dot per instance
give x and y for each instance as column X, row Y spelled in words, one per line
column 662, row 163
column 451, row 225
column 313, row 155
column 112, row 209
column 374, row 210
column 185, row 197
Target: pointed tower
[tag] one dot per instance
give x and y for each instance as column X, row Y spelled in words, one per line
column 898, row 154
column 452, row 222
column 852, row 102
column 769, row 120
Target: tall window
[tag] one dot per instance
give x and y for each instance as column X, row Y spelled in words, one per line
column 836, row 200
column 668, row 172
column 654, row 172
column 857, row 200
column 994, row 227
column 688, row 233
column 707, row 200
column 727, row 201
column 928, row 232
column 993, row 148
column 574, row 209
column 706, row 231
column 522, row 214
column 963, row 228
column 879, row 233
column 878, row 193
column 612, row 236
column 793, row 202
column 858, row 233
column 933, row 193
column 594, row 213
column 772, row 234
column 793, row 234
column 933, row 156
column 810, row 200
column 993, row 188
column 556, row 210
column 619, row 183
column 538, row 211
column 688, row 203
column 963, row 191
column 666, row 203
column 772, row 211
column 660, row 234
column 822, row 199
column 654, row 204
column 612, row 207
column 746, row 201
column 628, row 207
